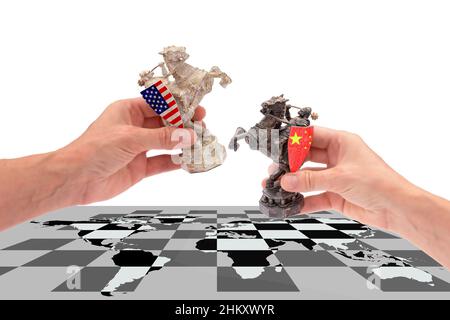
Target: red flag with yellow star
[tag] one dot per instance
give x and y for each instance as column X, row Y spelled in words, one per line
column 300, row 140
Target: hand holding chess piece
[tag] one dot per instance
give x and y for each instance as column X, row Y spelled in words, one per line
column 359, row 184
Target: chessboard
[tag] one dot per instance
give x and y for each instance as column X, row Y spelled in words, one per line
column 210, row 253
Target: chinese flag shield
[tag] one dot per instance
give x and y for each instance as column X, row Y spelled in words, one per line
column 300, row 140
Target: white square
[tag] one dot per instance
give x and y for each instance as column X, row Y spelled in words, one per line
column 242, row 244
column 108, row 234
column 312, row 226
column 282, row 234
column 88, row 226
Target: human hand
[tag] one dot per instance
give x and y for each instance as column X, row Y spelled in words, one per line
column 357, row 181
column 111, row 156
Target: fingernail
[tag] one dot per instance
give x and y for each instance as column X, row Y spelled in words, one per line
column 289, row 181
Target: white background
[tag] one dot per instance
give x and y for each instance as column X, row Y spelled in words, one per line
column 379, row 68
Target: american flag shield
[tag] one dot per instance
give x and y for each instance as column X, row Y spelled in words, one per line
column 163, row 103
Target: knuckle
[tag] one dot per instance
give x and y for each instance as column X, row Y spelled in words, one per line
column 165, row 136
column 357, row 137
column 122, row 102
column 308, row 181
column 343, row 134
column 353, row 136
column 346, row 137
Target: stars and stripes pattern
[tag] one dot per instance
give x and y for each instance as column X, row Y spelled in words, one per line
column 163, row 103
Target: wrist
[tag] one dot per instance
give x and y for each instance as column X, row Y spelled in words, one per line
column 65, row 169
column 408, row 206
column 35, row 185
column 424, row 220
column 398, row 205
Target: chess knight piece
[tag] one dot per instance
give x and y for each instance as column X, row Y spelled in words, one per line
column 287, row 141
column 188, row 85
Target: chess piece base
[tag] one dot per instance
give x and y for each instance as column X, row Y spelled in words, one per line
column 278, row 203
column 203, row 156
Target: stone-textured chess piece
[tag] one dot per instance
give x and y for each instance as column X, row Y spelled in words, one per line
column 271, row 136
column 189, row 85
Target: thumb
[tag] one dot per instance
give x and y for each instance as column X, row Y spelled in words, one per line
column 165, row 138
column 308, row 180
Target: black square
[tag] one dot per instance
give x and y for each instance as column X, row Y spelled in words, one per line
column 326, row 234
column 274, row 226
column 4, row 270
column 348, row 226
column 40, row 244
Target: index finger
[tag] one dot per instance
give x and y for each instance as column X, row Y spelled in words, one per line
column 142, row 105
column 323, row 137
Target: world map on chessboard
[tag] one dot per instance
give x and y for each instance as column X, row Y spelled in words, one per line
column 207, row 253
